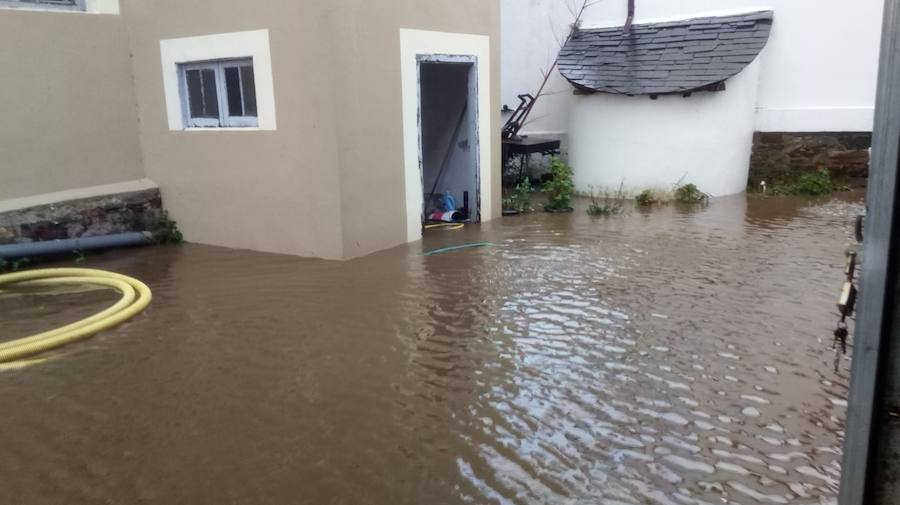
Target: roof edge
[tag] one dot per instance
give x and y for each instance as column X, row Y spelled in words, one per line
column 722, row 13
column 658, row 58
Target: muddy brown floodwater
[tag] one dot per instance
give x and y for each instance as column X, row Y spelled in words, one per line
column 678, row 356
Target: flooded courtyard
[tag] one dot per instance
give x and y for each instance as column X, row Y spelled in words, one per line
column 674, row 356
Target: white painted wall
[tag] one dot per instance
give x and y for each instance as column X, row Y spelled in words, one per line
column 102, row 6
column 529, row 30
column 703, row 139
column 817, row 73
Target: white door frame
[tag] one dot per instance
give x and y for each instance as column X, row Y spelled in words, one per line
column 471, row 103
column 415, row 44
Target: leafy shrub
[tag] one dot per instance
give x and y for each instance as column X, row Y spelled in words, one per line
column 813, row 183
column 807, row 183
column 560, row 187
column 166, row 231
column 13, row 265
column 689, row 193
column 520, row 198
column 646, row 198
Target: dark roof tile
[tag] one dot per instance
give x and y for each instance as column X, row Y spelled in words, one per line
column 659, row 58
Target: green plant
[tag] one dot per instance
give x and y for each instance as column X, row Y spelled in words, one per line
column 807, row 183
column 689, row 193
column 520, row 198
column 79, row 256
column 813, row 183
column 560, row 187
column 13, row 265
column 607, row 205
column 646, row 198
column 166, row 231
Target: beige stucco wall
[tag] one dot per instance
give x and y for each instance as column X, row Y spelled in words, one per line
column 329, row 182
column 367, row 43
column 272, row 191
column 67, row 102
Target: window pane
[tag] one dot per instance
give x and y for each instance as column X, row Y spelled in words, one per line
column 203, row 81
column 233, row 86
column 195, row 92
column 210, row 97
column 249, row 85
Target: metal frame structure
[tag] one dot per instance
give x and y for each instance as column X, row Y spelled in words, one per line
column 871, row 444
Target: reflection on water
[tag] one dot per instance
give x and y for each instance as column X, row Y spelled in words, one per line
column 678, row 357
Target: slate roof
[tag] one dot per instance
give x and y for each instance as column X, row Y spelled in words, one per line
column 662, row 58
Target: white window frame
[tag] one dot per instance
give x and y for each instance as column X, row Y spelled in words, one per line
column 221, row 46
column 225, row 119
column 74, row 5
column 77, row 7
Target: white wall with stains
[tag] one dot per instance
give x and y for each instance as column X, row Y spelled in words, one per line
column 640, row 143
column 817, row 73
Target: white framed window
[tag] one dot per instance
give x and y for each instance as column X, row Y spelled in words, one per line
column 228, row 65
column 218, row 94
column 71, row 6
column 74, row 5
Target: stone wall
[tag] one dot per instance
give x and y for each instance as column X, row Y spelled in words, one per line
column 779, row 157
column 101, row 215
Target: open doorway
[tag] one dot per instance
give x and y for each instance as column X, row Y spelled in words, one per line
column 448, row 138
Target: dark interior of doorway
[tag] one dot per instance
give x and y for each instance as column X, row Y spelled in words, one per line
column 449, row 154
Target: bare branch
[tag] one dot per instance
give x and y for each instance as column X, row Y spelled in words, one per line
column 551, row 93
column 526, row 123
column 556, row 36
column 577, row 13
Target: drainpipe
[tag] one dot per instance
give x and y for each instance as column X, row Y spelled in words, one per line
column 630, row 17
column 47, row 247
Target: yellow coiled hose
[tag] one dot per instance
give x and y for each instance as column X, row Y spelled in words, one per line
column 135, row 298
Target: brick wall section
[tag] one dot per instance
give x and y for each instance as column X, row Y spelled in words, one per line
column 102, row 215
column 779, row 156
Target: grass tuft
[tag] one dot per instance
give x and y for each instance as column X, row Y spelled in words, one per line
column 606, row 205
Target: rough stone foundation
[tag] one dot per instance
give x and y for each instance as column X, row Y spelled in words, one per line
column 780, row 157
column 86, row 217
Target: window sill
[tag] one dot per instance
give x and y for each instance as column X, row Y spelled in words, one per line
column 222, row 129
column 56, row 11
column 30, row 8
